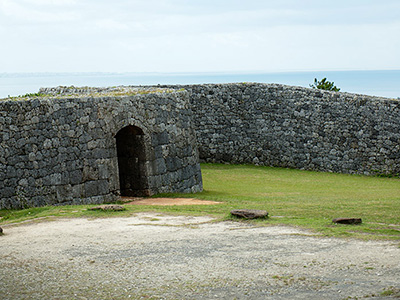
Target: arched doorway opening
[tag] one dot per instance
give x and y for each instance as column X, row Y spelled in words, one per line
column 131, row 153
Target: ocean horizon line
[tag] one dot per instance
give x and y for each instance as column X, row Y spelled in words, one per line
column 383, row 83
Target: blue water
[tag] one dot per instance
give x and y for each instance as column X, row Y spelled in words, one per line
column 377, row 83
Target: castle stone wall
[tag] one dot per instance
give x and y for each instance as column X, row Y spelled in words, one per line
column 59, row 148
column 295, row 127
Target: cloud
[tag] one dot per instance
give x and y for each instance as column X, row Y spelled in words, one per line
column 21, row 13
column 50, row 2
column 217, row 35
column 111, row 25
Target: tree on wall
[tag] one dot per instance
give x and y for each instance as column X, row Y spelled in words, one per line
column 324, row 84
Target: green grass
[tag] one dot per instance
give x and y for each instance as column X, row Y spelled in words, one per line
column 391, row 291
column 292, row 197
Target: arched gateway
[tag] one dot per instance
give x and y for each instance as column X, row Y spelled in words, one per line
column 131, row 151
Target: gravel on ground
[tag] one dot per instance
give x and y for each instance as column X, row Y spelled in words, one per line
column 155, row 256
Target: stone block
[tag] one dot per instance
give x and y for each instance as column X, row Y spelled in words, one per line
column 7, row 192
column 103, row 187
column 75, row 177
column 249, row 213
column 103, row 171
column 171, row 164
column 91, row 188
column 351, row 221
column 53, row 179
column 78, row 191
column 163, row 138
column 159, row 166
column 89, row 173
column 64, row 193
column 108, row 207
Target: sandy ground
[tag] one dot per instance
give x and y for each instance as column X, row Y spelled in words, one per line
column 166, row 201
column 153, row 256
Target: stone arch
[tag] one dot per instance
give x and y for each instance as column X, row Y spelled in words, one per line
column 132, row 161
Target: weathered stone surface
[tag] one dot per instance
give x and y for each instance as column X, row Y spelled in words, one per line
column 60, row 148
column 110, row 207
column 296, row 127
column 347, row 221
column 67, row 138
column 249, row 213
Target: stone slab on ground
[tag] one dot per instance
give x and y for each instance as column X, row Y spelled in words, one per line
column 250, row 213
column 349, row 221
column 108, row 207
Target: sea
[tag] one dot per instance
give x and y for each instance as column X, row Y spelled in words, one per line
column 376, row 83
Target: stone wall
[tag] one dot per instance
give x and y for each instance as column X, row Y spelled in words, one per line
column 295, row 127
column 60, row 148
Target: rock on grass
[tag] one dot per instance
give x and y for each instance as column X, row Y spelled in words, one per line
column 351, row 221
column 110, row 207
column 249, row 213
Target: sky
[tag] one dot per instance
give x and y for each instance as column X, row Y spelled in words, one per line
column 198, row 35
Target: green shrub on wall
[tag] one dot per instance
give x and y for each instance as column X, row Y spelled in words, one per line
column 324, row 84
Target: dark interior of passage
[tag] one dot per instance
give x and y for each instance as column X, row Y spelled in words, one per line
column 132, row 161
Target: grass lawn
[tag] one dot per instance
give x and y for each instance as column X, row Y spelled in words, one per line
column 292, row 197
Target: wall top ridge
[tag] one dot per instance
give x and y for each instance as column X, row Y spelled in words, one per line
column 72, row 92
column 281, row 87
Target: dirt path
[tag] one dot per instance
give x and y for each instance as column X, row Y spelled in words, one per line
column 151, row 256
column 166, row 201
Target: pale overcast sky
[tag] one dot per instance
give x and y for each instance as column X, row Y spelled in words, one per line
column 198, row 35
